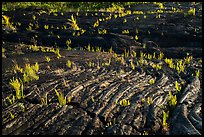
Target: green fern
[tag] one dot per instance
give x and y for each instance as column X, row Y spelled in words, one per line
column 61, row 98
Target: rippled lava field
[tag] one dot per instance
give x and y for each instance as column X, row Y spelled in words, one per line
column 133, row 71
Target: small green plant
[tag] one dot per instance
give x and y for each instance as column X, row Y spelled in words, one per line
column 43, row 49
column 57, row 52
column 89, row 47
column 8, row 23
column 3, row 52
column 11, row 101
column 90, row 64
column 11, row 115
column 164, row 120
column 124, row 102
column 149, row 101
column 30, row 72
column 200, row 61
column 170, row 62
column 17, row 68
column 197, row 73
column 137, row 32
column 108, row 63
column 92, row 99
column 122, row 71
column 61, row 98
column 188, row 59
column 172, row 99
column 177, row 86
column 18, row 87
column 136, row 37
column 133, row 54
column 34, row 48
column 73, row 23
column 156, row 66
column 92, row 49
column 151, row 81
column 46, row 26
column 149, row 56
column 68, row 42
column 191, row 12
column 125, row 20
column 96, row 24
column 47, row 59
column 142, row 55
column 165, row 117
column 69, row 99
column 125, row 31
column 34, row 17
column 145, row 132
column 102, row 31
column 132, row 65
column 154, row 55
column 98, row 49
column 111, row 50
column 180, row 66
column 161, row 55
column 141, row 61
column 69, row 63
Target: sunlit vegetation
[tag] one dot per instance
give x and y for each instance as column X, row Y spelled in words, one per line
column 73, row 23
column 68, row 42
column 102, row 31
column 191, row 12
column 6, row 21
column 57, row 52
column 156, row 66
column 125, row 31
column 149, row 101
column 172, row 99
column 138, row 66
column 124, row 102
column 177, row 86
column 61, row 98
column 69, row 63
column 3, row 52
column 18, row 87
column 11, row 99
column 151, row 81
column 11, row 115
column 136, row 37
column 47, row 59
column 197, row 73
column 17, row 68
column 164, row 120
column 30, row 72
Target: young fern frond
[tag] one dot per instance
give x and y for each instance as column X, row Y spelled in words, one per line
column 18, row 87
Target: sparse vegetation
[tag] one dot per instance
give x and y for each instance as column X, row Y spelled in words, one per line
column 18, row 87
column 30, row 71
column 73, row 23
column 69, row 64
column 102, row 66
column 61, row 98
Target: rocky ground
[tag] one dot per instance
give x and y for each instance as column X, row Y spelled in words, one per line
column 106, row 92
